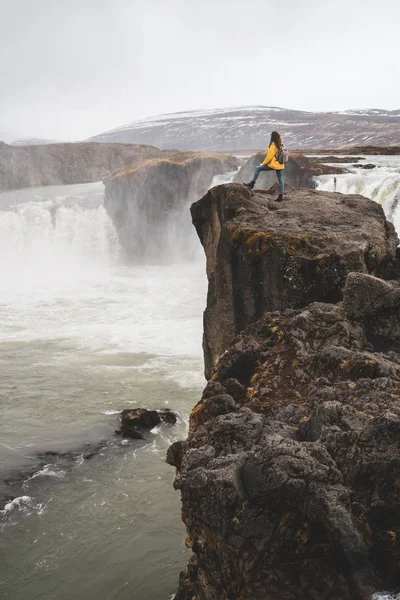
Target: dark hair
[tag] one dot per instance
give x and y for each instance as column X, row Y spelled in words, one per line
column 276, row 139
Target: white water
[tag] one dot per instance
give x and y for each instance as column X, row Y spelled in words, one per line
column 381, row 184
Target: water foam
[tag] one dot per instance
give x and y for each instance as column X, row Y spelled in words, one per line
column 381, row 184
column 24, row 504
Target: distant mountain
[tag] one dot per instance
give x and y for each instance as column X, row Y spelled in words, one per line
column 249, row 127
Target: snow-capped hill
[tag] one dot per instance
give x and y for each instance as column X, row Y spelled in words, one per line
column 370, row 112
column 249, row 127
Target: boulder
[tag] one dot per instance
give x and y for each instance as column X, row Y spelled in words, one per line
column 266, row 256
column 368, row 166
column 137, row 420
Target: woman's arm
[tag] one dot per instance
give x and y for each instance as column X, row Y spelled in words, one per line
column 270, row 154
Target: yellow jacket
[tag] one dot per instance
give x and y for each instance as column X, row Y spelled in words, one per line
column 271, row 159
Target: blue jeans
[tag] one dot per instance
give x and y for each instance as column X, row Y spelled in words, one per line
column 279, row 175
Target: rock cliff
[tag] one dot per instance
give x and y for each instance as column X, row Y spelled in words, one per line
column 149, row 201
column 62, row 164
column 266, row 256
column 299, row 171
column 290, row 475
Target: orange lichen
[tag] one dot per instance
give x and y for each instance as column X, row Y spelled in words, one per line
column 197, row 417
column 258, row 244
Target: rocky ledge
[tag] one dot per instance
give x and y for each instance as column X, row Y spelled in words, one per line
column 290, row 475
column 264, row 256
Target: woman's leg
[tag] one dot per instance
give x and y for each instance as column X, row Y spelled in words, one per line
column 258, row 171
column 279, row 175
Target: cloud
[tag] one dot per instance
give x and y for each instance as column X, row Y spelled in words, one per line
column 72, row 69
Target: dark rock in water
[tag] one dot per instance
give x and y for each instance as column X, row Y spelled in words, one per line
column 167, row 416
column 299, row 171
column 14, row 483
column 338, row 159
column 367, row 166
column 262, row 260
column 136, row 420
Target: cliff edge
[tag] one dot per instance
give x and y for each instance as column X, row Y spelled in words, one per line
column 265, row 256
column 290, row 475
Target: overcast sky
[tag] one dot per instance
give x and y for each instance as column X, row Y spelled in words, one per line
column 70, row 69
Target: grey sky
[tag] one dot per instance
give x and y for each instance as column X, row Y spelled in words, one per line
column 73, row 68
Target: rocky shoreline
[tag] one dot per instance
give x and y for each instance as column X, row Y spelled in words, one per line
column 290, row 475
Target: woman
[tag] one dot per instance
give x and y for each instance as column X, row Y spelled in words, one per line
column 271, row 163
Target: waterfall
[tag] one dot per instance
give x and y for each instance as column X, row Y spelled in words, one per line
column 48, row 236
column 381, row 184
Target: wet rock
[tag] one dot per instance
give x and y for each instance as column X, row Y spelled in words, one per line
column 367, row 166
column 167, row 416
column 338, row 159
column 137, row 420
column 14, row 483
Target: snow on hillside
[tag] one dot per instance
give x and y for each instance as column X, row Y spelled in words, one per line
column 249, row 127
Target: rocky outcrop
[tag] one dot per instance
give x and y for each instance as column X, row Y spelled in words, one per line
column 149, row 202
column 338, row 159
column 290, row 476
column 266, row 256
column 299, row 171
column 63, row 164
column 382, row 150
column 137, row 420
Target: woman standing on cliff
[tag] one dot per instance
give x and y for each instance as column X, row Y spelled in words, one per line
column 276, row 151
